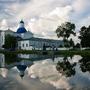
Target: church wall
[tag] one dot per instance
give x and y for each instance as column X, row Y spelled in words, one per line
column 24, row 45
column 2, row 39
column 38, row 44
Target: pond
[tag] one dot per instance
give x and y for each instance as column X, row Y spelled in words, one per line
column 43, row 72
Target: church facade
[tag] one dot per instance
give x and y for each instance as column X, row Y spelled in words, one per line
column 27, row 40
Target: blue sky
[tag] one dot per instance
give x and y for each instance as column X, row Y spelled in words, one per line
column 43, row 16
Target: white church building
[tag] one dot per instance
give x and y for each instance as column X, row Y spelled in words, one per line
column 28, row 41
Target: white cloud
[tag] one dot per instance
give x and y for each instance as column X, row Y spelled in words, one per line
column 3, row 25
column 80, row 5
column 47, row 23
column 84, row 22
column 75, row 38
column 43, row 17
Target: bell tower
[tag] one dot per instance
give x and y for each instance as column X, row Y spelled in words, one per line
column 21, row 24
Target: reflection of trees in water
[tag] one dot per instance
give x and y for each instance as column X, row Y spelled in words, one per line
column 85, row 64
column 66, row 68
column 11, row 58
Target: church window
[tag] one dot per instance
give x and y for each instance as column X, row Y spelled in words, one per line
column 26, row 45
column 23, row 45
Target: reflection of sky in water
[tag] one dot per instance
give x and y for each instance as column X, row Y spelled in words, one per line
column 14, row 82
column 42, row 75
column 47, row 73
column 3, row 72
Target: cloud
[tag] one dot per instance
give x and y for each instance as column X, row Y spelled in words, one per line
column 46, row 24
column 80, row 5
column 84, row 21
column 80, row 10
column 3, row 25
column 75, row 38
column 43, row 17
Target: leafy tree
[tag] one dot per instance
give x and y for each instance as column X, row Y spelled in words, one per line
column 85, row 36
column 71, row 43
column 60, row 46
column 44, row 47
column 77, row 45
column 65, row 30
column 10, row 42
column 10, row 58
column 66, row 43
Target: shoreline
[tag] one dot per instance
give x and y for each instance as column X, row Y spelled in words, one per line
column 49, row 52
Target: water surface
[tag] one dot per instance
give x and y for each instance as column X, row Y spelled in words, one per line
column 42, row 72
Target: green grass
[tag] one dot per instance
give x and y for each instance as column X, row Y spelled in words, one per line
column 73, row 52
column 62, row 52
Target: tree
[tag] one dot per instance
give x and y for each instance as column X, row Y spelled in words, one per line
column 71, row 43
column 10, row 42
column 85, row 36
column 65, row 30
column 44, row 47
column 60, row 46
column 77, row 45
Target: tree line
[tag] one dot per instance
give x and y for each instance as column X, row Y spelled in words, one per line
column 68, row 28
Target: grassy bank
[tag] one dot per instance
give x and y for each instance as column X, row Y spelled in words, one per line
column 20, row 51
column 74, row 52
column 62, row 52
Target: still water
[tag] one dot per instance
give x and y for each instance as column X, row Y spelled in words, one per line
column 42, row 72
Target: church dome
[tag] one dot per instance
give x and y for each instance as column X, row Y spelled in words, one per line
column 21, row 30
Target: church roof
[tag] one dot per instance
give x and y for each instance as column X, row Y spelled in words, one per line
column 21, row 30
column 42, row 39
column 9, row 30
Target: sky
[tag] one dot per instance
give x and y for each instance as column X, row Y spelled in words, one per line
column 42, row 17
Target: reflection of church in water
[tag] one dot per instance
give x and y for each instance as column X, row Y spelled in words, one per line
column 20, row 66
